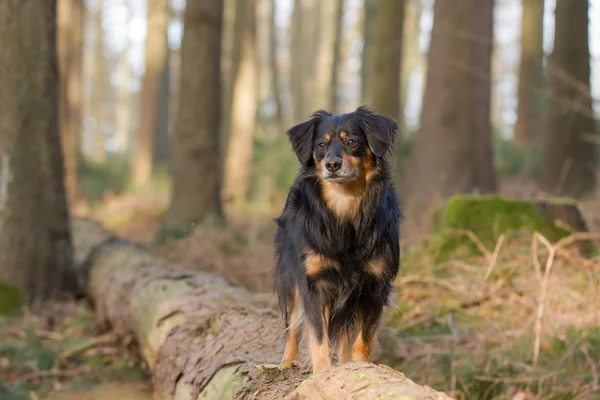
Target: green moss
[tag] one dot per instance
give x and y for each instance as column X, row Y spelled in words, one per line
column 10, row 299
column 488, row 217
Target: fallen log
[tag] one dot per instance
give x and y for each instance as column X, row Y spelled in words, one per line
column 205, row 339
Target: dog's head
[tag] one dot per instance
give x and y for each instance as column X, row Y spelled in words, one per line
column 343, row 147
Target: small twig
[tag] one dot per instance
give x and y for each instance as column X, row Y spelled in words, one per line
column 414, row 279
column 109, row 338
column 494, row 258
column 486, row 253
column 54, row 372
column 542, row 300
column 536, row 260
column 577, row 237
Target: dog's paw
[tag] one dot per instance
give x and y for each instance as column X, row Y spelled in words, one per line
column 286, row 365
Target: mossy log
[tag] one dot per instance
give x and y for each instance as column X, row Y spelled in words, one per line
column 488, row 217
column 204, row 339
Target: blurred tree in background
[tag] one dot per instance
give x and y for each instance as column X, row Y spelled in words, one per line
column 156, row 62
column 569, row 151
column 452, row 152
column 196, row 176
column 531, row 74
column 36, row 253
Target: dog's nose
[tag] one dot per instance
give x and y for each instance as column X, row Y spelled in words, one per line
column 333, row 164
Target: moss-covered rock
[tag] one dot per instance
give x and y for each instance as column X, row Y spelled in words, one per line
column 488, row 217
column 10, row 298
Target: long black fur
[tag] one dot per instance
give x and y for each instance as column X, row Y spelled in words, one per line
column 307, row 223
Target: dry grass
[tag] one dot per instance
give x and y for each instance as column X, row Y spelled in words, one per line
column 511, row 321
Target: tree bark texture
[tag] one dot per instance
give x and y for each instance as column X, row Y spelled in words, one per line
column 305, row 30
column 452, row 153
column 365, row 64
column 531, row 72
column 70, row 62
column 240, row 146
column 205, row 339
column 384, row 87
column 162, row 143
column 35, row 243
column 569, row 151
column 411, row 53
column 274, row 67
column 196, row 166
column 100, row 93
column 156, row 54
column 337, row 56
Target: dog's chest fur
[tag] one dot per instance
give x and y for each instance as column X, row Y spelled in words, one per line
column 344, row 202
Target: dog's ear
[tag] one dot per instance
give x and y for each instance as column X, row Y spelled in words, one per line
column 302, row 136
column 379, row 130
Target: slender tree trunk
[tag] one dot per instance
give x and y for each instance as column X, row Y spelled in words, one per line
column 274, row 66
column 365, row 63
column 35, row 244
column 161, row 142
column 70, row 57
column 196, row 176
column 124, row 109
column 411, row 53
column 337, row 56
column 233, row 26
column 101, row 89
column 304, row 34
column 569, row 153
column 384, row 91
column 238, row 162
column 452, row 152
column 530, row 72
column 156, row 53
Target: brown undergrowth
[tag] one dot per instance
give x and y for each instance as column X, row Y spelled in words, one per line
column 60, row 350
column 520, row 321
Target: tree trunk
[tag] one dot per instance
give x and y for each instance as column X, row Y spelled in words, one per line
column 233, row 26
column 530, row 72
column 411, row 53
column 367, row 50
column 452, row 153
column 70, row 57
column 196, row 176
column 303, row 70
column 337, row 56
column 101, row 88
column 238, row 162
column 160, row 152
column 569, row 152
column 274, row 66
column 124, row 103
column 203, row 338
column 35, row 242
column 156, row 53
column 384, row 88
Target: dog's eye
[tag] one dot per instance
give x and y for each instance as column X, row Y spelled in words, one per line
column 322, row 145
column 352, row 143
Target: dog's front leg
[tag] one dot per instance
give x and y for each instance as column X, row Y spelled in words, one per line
column 320, row 353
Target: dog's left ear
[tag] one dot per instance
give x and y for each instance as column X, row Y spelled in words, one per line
column 379, row 130
column 302, row 136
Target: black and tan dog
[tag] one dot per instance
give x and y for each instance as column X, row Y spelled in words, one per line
column 338, row 240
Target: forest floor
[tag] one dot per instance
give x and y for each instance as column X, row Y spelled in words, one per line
column 469, row 326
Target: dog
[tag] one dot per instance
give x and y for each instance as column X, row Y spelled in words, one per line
column 337, row 245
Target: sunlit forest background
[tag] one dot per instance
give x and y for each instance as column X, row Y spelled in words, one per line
column 172, row 120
